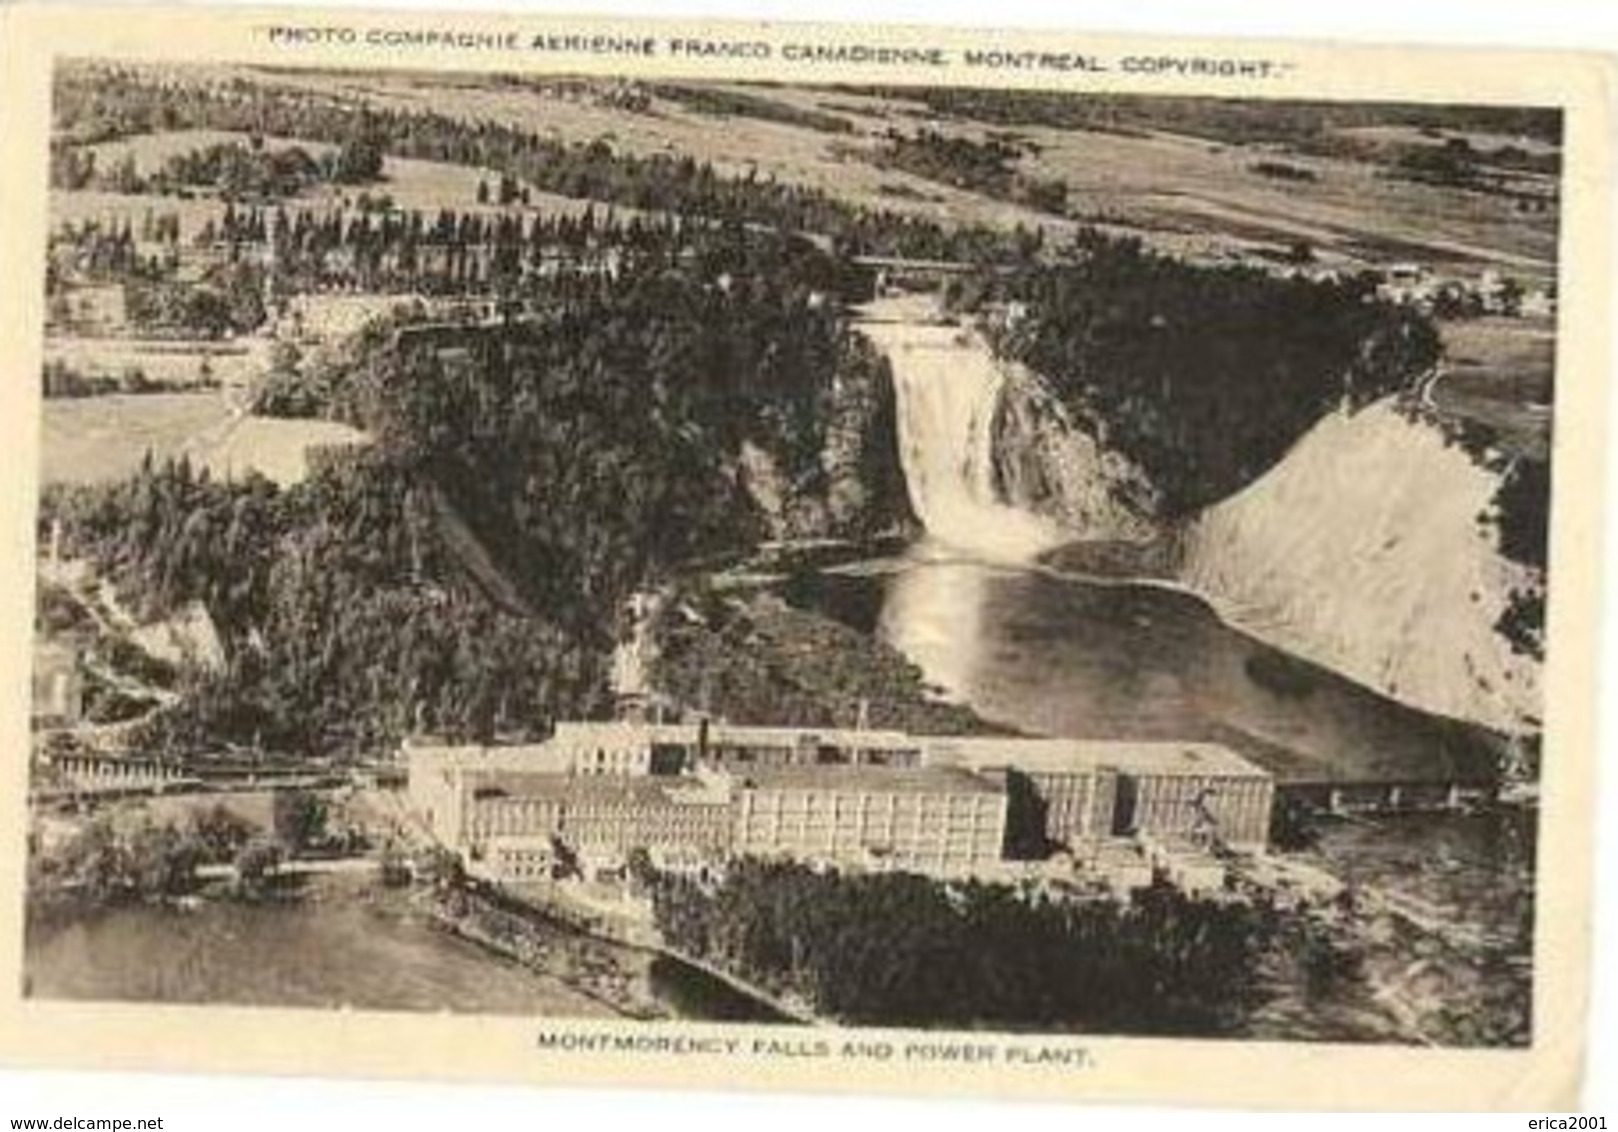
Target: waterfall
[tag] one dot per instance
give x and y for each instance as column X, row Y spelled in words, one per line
column 948, row 390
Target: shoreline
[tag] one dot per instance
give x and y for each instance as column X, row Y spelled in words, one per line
column 1227, row 613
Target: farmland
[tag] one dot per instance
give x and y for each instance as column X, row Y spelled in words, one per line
column 485, row 386
column 1184, row 193
column 1499, row 373
column 169, row 363
column 100, row 439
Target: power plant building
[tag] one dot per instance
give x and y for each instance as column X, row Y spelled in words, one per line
column 666, row 748
column 1080, row 791
column 950, row 806
column 930, row 819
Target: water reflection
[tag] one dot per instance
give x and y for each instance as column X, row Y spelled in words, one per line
column 1052, row 655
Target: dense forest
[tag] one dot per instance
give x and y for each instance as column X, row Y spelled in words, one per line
column 1203, row 377
column 344, row 621
column 905, row 950
column 464, row 573
column 761, row 661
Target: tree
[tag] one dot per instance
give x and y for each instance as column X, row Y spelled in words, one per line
column 284, row 357
column 161, row 861
column 220, row 833
column 359, row 160
column 1511, row 297
column 207, row 312
column 96, row 862
column 299, row 819
column 256, row 866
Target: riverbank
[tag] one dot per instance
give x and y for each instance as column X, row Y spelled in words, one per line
column 337, row 942
column 613, row 974
column 340, row 945
column 754, row 656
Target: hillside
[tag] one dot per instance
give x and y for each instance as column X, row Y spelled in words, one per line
column 1363, row 550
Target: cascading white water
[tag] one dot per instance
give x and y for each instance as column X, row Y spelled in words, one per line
column 948, row 388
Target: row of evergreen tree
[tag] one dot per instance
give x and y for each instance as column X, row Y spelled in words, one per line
column 96, row 103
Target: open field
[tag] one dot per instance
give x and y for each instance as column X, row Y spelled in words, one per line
column 81, row 206
column 738, row 146
column 422, row 185
column 275, row 448
column 1506, row 359
column 1484, row 141
column 96, row 439
column 1189, row 195
column 167, row 361
column 411, row 184
column 1212, row 190
column 1500, row 372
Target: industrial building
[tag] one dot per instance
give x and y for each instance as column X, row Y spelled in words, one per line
column 518, row 821
column 623, row 747
column 948, row 806
column 1077, row 792
column 930, row 819
column 519, row 826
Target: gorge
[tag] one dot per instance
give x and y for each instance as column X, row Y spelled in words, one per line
column 1360, row 551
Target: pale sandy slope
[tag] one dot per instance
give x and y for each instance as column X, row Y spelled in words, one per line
column 1362, row 551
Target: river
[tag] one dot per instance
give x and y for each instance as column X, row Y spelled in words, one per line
column 347, row 950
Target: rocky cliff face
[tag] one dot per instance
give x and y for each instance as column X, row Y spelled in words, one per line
column 851, row 485
column 1362, row 550
column 1043, row 464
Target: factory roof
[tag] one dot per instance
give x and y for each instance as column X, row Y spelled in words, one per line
column 1082, row 756
column 731, row 735
column 871, row 779
column 588, row 789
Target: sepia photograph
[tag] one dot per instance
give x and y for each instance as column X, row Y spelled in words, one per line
column 975, row 559
column 922, row 557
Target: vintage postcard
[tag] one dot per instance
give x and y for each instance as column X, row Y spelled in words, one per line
column 800, row 556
